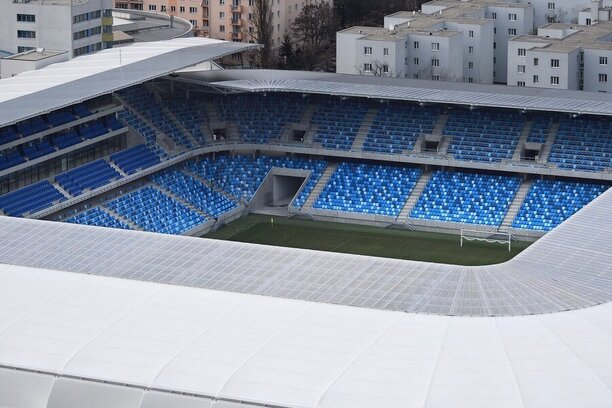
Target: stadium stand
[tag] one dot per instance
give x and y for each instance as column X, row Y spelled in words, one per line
column 337, row 122
column 483, row 135
column 396, row 127
column 99, row 217
column 194, row 192
column 88, row 176
column 10, row 158
column 142, row 128
column 154, row 211
column 368, row 188
column 135, row 158
column 261, row 119
column 540, row 127
column 471, row 198
column 550, row 202
column 30, row 199
column 144, row 102
column 583, row 144
column 192, row 115
column 241, row 175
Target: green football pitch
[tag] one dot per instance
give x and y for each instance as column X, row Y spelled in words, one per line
column 364, row 240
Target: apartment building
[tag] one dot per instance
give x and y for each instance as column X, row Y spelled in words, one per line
column 561, row 11
column 77, row 26
column 563, row 56
column 447, row 40
column 229, row 20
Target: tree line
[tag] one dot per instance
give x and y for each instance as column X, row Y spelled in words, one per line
column 310, row 43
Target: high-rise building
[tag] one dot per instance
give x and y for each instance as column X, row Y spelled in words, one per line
column 77, row 26
column 229, row 20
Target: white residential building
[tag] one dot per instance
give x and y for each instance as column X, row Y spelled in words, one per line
column 448, row 40
column 76, row 26
column 563, row 56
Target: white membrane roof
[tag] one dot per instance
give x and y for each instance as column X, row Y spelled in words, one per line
column 569, row 268
column 71, row 340
column 459, row 93
column 58, row 85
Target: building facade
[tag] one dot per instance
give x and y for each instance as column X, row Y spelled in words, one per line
column 229, row 20
column 485, row 41
column 77, row 26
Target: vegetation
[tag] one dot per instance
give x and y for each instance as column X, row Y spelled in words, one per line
column 363, row 240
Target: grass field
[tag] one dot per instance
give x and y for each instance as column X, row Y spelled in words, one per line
column 363, row 240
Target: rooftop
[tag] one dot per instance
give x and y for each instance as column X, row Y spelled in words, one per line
column 143, row 26
column 35, row 55
column 569, row 37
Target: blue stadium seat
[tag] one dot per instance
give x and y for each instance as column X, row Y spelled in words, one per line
column 337, row 122
column 99, row 217
column 548, row 203
column 368, row 188
column 30, row 199
column 89, row 176
column 154, row 211
column 470, row 198
column 135, row 159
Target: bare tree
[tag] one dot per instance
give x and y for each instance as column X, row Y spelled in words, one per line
column 380, row 69
column 262, row 33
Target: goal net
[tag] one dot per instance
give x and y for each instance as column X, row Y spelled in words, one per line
column 500, row 237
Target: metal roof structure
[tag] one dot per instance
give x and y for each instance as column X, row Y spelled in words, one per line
column 459, row 93
column 569, row 268
column 70, row 340
column 53, row 87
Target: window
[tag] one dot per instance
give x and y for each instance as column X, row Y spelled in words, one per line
column 367, row 67
column 495, row 60
column 415, row 45
column 194, row 22
column 551, row 6
column 385, row 68
column 222, row 28
column 554, row 80
column 435, row 77
column 536, row 62
column 367, row 50
column 385, row 51
column 26, row 34
column 554, row 63
column 26, row 18
column 193, row 9
column 181, row 9
column 520, row 83
column 536, row 79
column 603, row 60
column 163, row 8
column 494, row 45
column 415, row 61
column 21, row 49
column 512, row 31
column 415, row 76
column 152, row 7
column 603, row 77
column 470, row 80
column 172, row 8
column 470, row 65
column 471, row 49
column 222, row 2
column 512, row 17
column 222, row 14
column 471, row 34
column 494, row 16
column 435, row 46
column 588, row 21
column 92, row 15
column 521, row 69
column 522, row 52
column 435, row 62
column 494, row 30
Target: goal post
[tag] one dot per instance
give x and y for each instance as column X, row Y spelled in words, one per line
column 499, row 237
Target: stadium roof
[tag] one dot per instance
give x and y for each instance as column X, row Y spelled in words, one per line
column 55, row 86
column 69, row 340
column 478, row 95
column 569, row 268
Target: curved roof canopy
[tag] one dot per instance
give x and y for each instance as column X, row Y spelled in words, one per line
column 454, row 93
column 35, row 92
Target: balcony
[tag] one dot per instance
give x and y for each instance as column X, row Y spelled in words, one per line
column 236, row 36
column 235, row 9
column 236, row 22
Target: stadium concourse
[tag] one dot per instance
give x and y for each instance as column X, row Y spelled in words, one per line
column 143, row 146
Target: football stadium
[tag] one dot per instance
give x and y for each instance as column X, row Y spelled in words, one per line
column 175, row 236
